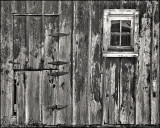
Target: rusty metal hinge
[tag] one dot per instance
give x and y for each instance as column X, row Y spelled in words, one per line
column 58, row 73
column 59, row 34
column 57, row 107
column 58, row 62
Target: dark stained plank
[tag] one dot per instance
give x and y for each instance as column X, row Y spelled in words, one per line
column 64, row 116
column 80, row 56
column 127, row 91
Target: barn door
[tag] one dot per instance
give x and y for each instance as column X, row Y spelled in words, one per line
column 33, row 48
column 119, row 88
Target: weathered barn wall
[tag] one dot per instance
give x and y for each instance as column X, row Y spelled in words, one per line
column 82, row 89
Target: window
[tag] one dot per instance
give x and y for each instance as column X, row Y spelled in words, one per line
column 120, row 30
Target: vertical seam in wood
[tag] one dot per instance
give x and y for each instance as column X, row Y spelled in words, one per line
column 151, row 51
column 71, row 59
column 89, row 61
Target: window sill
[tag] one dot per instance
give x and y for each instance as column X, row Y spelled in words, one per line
column 120, row 54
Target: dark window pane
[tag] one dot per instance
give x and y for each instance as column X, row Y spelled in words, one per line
column 126, row 26
column 126, row 33
column 115, row 39
column 115, row 32
column 115, row 26
column 125, row 39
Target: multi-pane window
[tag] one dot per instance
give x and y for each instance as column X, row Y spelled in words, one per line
column 120, row 30
column 120, row 33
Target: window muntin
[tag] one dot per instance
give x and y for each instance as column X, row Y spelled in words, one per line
column 121, row 33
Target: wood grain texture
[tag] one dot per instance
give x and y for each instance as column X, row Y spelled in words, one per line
column 6, row 55
column 143, row 85
column 127, row 91
column 112, row 90
column 19, row 79
column 95, row 87
column 155, row 67
column 64, row 116
column 80, row 56
column 32, row 97
column 49, row 92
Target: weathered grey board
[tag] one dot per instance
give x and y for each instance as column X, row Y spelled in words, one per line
column 83, row 88
column 64, row 116
column 80, row 57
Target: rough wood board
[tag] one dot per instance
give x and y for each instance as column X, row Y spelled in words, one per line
column 143, row 85
column 127, row 90
column 50, row 44
column 32, row 97
column 80, row 45
column 6, row 67
column 155, row 58
column 49, row 92
column 95, row 87
column 64, row 116
column 19, row 79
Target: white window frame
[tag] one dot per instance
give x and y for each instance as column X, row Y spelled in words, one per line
column 120, row 14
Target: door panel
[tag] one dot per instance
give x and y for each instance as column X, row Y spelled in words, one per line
column 33, row 46
column 119, row 99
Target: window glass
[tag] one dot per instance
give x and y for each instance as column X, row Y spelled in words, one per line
column 126, row 33
column 115, row 32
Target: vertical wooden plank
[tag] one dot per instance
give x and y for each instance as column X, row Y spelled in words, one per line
column 127, row 89
column 80, row 60
column 19, row 79
column 6, row 67
column 50, row 43
column 143, row 85
column 19, row 46
column 34, row 41
column 49, row 98
column 95, row 92
column 112, row 91
column 155, row 55
column 49, row 54
column 32, row 97
column 64, row 88
column 19, row 37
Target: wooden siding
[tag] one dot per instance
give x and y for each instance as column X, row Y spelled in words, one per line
column 91, row 89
